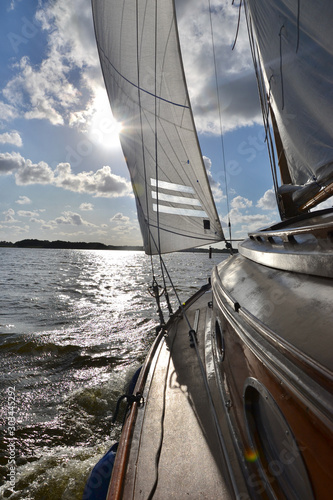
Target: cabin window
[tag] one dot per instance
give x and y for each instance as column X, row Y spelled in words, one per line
column 220, row 348
column 278, row 457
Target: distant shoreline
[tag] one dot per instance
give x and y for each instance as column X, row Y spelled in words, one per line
column 59, row 244
column 34, row 243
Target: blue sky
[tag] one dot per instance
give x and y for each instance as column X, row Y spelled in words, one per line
column 62, row 173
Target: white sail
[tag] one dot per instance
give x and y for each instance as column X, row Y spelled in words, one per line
column 141, row 62
column 295, row 41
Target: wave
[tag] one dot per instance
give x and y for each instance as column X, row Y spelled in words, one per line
column 23, row 346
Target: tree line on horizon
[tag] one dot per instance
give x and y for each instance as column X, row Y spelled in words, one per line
column 81, row 245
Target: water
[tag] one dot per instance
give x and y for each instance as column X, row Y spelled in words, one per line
column 74, row 327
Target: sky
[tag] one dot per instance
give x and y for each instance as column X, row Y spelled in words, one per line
column 62, row 172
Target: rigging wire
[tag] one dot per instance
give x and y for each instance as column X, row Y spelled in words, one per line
column 157, row 184
column 164, row 267
column 220, row 120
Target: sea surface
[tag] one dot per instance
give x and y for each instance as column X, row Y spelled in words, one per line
column 74, row 327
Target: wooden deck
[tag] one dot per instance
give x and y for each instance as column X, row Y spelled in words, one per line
column 176, row 451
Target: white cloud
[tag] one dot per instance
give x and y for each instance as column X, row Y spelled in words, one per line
column 268, row 200
column 61, row 87
column 73, row 219
column 10, row 162
column 37, row 221
column 123, row 225
column 215, row 186
column 27, row 213
column 48, row 226
column 23, row 200
column 238, row 93
column 13, row 4
column 102, row 183
column 244, row 223
column 71, row 30
column 9, row 215
column 19, row 229
column 122, row 229
column 7, row 111
column 240, row 202
column 32, row 173
column 86, row 206
column 243, row 220
column 43, row 93
column 11, row 138
column 120, row 218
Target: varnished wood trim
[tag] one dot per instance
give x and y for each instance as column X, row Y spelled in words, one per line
column 118, row 473
column 119, row 470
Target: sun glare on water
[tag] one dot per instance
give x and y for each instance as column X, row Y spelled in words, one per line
column 104, row 128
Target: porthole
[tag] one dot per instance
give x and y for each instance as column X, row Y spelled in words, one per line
column 274, row 447
column 220, row 348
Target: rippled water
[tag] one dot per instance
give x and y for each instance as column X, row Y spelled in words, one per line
column 74, row 326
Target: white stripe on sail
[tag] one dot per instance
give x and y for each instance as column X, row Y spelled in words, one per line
column 172, row 187
column 179, row 211
column 176, row 199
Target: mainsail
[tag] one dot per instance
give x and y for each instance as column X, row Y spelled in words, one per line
column 140, row 57
column 294, row 45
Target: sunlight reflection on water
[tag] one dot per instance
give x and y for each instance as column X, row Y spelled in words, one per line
column 74, row 326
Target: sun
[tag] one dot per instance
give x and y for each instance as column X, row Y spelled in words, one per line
column 104, row 129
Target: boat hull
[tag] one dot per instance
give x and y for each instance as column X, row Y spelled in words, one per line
column 275, row 379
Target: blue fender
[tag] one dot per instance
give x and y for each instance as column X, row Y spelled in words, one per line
column 98, row 482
